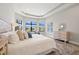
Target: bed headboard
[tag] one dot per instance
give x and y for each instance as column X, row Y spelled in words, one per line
column 4, row 26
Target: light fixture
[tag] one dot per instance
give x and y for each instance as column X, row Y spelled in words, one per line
column 61, row 27
column 13, row 25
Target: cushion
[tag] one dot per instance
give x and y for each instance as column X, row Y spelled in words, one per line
column 4, row 37
column 21, row 35
column 25, row 35
column 7, row 33
column 29, row 35
column 13, row 38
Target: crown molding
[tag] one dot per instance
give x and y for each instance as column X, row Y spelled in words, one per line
column 45, row 13
column 59, row 8
column 64, row 7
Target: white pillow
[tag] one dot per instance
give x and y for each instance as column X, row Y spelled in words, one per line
column 7, row 33
column 3, row 37
column 26, row 35
column 13, row 37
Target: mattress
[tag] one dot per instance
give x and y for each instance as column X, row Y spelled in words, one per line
column 33, row 46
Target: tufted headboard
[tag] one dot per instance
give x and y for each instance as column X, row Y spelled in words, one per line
column 4, row 26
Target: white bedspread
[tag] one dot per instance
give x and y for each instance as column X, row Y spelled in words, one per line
column 35, row 45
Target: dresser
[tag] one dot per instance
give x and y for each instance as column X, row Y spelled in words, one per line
column 61, row 35
column 3, row 46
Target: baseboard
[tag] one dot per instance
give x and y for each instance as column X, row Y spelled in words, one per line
column 73, row 42
column 62, row 40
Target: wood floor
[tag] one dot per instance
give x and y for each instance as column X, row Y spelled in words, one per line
column 65, row 49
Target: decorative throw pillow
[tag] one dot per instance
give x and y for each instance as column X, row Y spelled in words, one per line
column 21, row 35
column 29, row 35
column 25, row 35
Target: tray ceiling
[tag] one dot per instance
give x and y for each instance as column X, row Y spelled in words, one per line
column 39, row 9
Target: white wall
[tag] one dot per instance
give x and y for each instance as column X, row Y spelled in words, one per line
column 70, row 18
column 7, row 12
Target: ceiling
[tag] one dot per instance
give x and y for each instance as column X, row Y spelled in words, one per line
column 38, row 9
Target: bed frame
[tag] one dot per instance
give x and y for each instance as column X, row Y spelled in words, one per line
column 8, row 25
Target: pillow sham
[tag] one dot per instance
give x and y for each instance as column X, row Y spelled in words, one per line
column 13, row 38
column 29, row 35
column 20, row 35
column 25, row 35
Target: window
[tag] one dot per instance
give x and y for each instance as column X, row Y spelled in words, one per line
column 30, row 26
column 42, row 26
column 19, row 23
column 50, row 27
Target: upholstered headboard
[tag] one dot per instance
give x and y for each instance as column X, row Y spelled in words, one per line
column 4, row 26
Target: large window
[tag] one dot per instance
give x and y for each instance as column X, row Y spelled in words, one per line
column 42, row 26
column 30, row 26
column 19, row 23
column 50, row 27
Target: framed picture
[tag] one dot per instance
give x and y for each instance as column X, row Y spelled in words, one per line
column 19, row 23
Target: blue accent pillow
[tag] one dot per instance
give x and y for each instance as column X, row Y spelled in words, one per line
column 29, row 35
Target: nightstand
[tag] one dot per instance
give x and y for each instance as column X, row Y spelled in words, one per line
column 65, row 36
column 61, row 35
column 3, row 46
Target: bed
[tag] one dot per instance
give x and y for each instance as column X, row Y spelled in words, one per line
column 37, row 45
